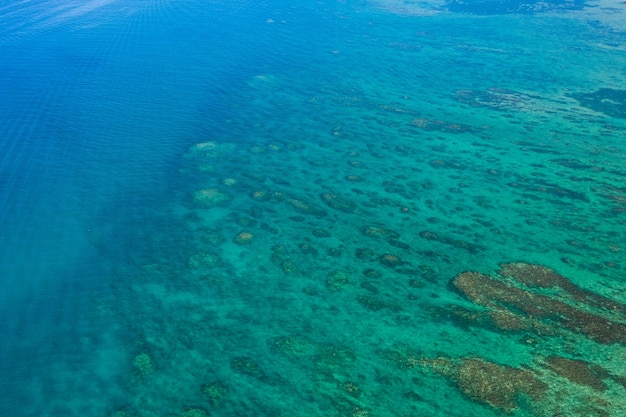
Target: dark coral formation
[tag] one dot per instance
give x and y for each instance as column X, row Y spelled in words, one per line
column 246, row 366
column 390, row 260
column 460, row 244
column 299, row 205
column 540, row 276
column 337, row 202
column 214, row 392
column 379, row 232
column 441, row 125
column 499, row 319
column 493, row 98
column 532, row 299
column 609, row 101
column 498, row 7
column 336, row 280
column 499, row 386
column 538, row 186
column 578, row 371
column 295, row 346
column 243, row 238
column 553, row 311
column 195, row 412
column 210, row 197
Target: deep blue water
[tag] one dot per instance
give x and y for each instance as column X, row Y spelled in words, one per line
column 237, row 208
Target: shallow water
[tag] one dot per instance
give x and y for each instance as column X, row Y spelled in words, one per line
column 238, row 208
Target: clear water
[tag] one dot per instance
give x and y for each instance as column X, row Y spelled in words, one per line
column 243, row 208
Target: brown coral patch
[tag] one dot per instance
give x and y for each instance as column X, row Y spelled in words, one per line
column 498, row 319
column 295, row 346
column 533, row 275
column 354, row 178
column 364, row 254
column 323, row 233
column 441, row 125
column 390, row 260
column 289, row 267
column 509, row 321
column 246, row 366
column 499, row 386
column 333, row 357
column 460, row 244
column 304, row 207
column 537, row 186
column 351, row 388
column 490, row 292
column 336, row 280
column 214, row 392
column 210, row 197
column 578, row 371
column 493, row 98
column 544, row 277
column 338, row 203
column 376, row 231
column 243, row 238
column 260, row 195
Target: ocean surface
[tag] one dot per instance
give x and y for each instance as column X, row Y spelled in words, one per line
column 312, row 208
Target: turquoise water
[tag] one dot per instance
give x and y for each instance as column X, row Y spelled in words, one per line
column 242, row 208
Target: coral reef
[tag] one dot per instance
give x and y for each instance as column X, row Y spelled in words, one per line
column 195, row 412
column 390, row 260
column 296, row 346
column 243, row 238
column 364, row 254
column 202, row 148
column 214, row 391
column 210, row 197
column 337, row 202
column 498, row 386
column 609, row 101
column 377, row 231
column 540, row 276
column 142, row 363
column 321, row 233
column 305, row 207
column 441, row 125
column 578, row 371
column 246, row 366
column 527, row 298
column 552, row 311
column 494, row 98
column 336, row 280
column 202, row 260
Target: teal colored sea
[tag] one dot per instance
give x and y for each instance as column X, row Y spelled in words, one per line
column 373, row 208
